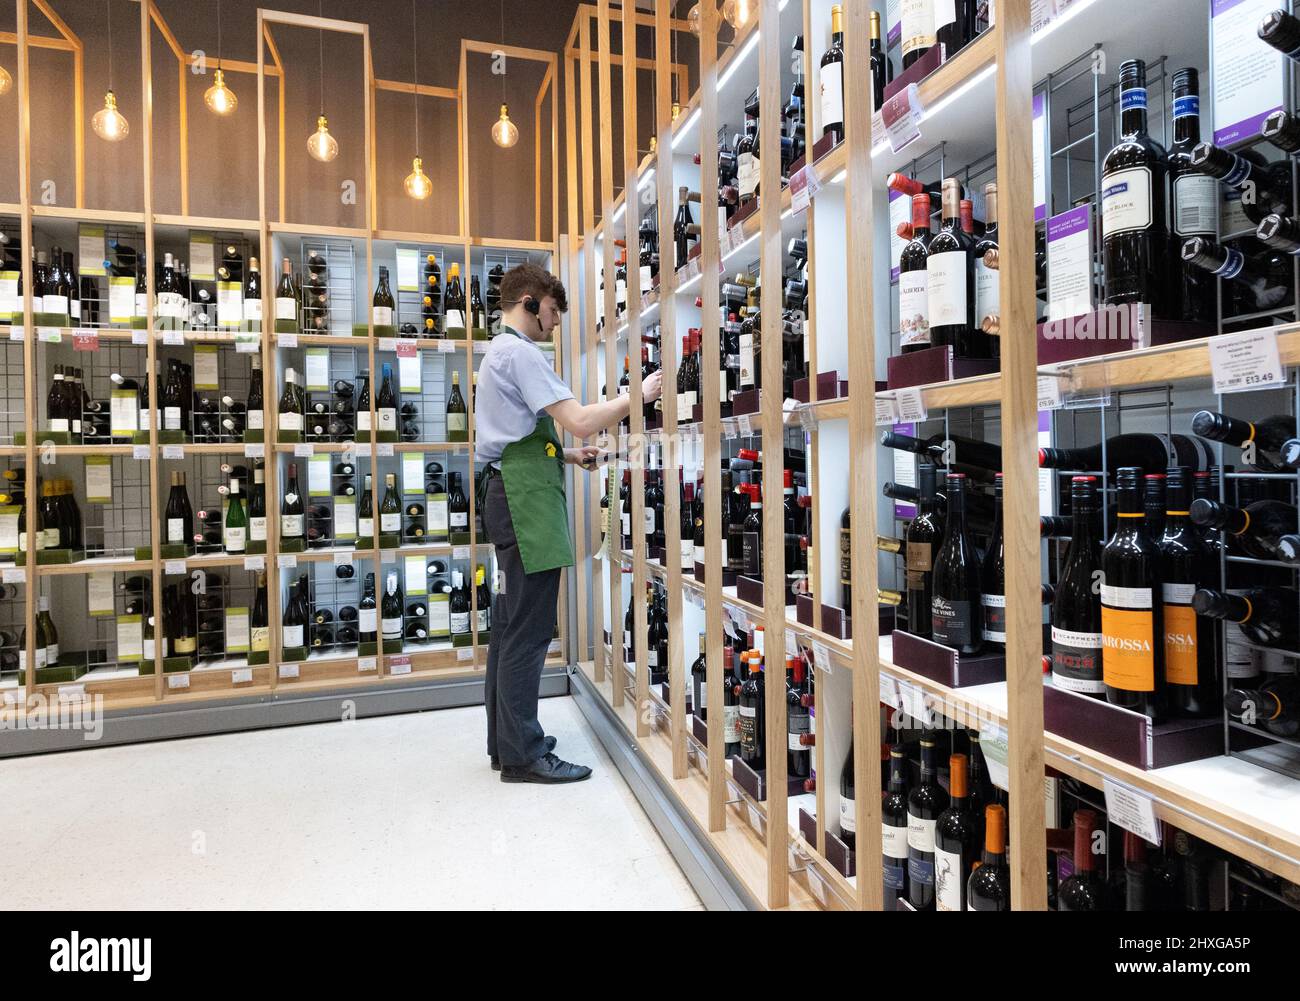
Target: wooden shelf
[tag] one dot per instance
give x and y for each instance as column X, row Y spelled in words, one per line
column 97, row 564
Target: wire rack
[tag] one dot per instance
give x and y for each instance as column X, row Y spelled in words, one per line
column 331, row 593
column 340, row 283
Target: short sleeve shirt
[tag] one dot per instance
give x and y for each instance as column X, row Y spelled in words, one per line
column 516, row 383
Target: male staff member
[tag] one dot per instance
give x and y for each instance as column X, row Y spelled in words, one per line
column 525, row 513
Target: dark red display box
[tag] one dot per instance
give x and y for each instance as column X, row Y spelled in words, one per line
column 755, row 782
column 751, row 589
column 837, row 853
column 700, row 729
column 915, row 73
column 1108, row 329
column 746, row 402
column 936, row 364
column 742, row 213
column 821, row 148
column 943, row 665
column 1129, row 736
column 829, row 387
column 728, row 576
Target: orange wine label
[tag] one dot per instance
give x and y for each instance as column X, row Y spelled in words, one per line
column 1180, row 636
column 1128, row 649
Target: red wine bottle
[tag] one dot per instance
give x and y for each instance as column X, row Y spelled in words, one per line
column 955, row 604
column 989, row 886
column 1085, row 889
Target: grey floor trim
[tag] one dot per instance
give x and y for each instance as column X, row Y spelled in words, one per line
column 167, row 722
column 708, row 874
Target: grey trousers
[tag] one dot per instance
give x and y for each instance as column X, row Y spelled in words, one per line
column 523, row 623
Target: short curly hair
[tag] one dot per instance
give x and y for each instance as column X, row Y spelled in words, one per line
column 532, row 280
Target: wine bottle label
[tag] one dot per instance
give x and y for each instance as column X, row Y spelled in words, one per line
column 387, row 417
column 366, row 528
column 286, row 308
column 920, row 561
column 392, row 627
column 649, row 520
column 796, row 727
column 367, row 617
column 688, row 554
column 291, row 526
column 390, row 522
column 1196, row 205
column 946, row 279
column 141, row 305
column 951, row 621
column 172, row 418
column 749, row 729
column 383, row 316
column 171, row 306
column 735, row 548
column 752, row 545
column 482, row 620
column 918, row 25
column 730, row 724
column 1180, row 634
column 722, row 386
column 913, row 308
column 56, row 304
column 148, row 648
column 123, row 413
column 895, row 875
column 460, row 622
column 236, row 539
column 620, row 294
column 893, row 842
column 457, row 423
column 75, row 306
column 920, row 833
column 1076, row 661
column 627, row 524
column 176, row 530
column 945, row 13
column 848, row 815
column 832, row 93
column 995, row 617
column 988, row 292
column 76, row 426
column 846, row 555
column 59, row 424
column 1125, row 201
column 52, row 654
column 949, row 881
column 1128, row 638
column 699, row 554
column 455, row 319
column 257, row 529
column 363, row 419
column 291, row 421
column 50, row 538
column 747, row 174
column 746, row 361
column 253, row 310
column 459, row 521
column 652, row 657
column 647, row 280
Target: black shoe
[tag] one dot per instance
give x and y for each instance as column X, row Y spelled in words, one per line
column 550, row 746
column 547, row 769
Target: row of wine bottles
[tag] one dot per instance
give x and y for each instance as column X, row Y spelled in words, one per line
column 343, row 419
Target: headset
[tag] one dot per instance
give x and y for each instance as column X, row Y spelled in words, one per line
column 534, row 307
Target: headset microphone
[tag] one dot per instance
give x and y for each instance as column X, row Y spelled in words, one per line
column 535, row 307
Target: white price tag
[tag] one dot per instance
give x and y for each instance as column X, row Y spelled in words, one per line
column 50, row 335
column 304, row 450
column 993, row 743
column 287, row 561
column 254, row 563
column 173, row 451
column 446, row 347
column 362, row 449
column 886, row 411
column 367, row 664
column 480, row 347
column 1246, row 361
column 343, row 559
column 384, row 449
column 388, row 344
column 911, row 406
column 139, row 338
column 745, row 425
column 399, row 667
column 175, row 681
column 554, row 647
column 174, row 568
column 1132, row 810
column 729, row 427
column 1049, row 392
column 241, row 676
column 15, row 333
column 465, row 653
column 889, row 691
column 901, row 115
column 286, row 340
column 804, row 186
column 255, row 450
column 140, row 452
column 175, row 338
column 14, row 575
column 288, row 670
column 913, row 700
column 822, row 656
column 72, row 693
column 460, row 553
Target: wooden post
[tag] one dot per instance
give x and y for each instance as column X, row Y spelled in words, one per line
column 29, row 344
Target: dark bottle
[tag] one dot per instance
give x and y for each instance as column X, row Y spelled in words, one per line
column 368, row 613
column 798, row 720
column 747, row 155
column 1135, row 179
column 918, row 30
column 752, row 734
column 954, row 22
column 881, row 70
column 699, row 683
column 179, row 514
column 1260, row 441
column 1194, row 203
column 831, row 77
column 1259, row 281
column 1085, row 889
column 1265, row 615
column 925, row 803
column 1149, row 451
column 1192, row 668
column 988, row 285
column 292, row 513
column 924, row 535
column 737, row 513
column 955, row 841
column 1076, row 609
column 1282, row 31
column 913, row 278
column 1132, row 621
column 1283, row 130
column 993, row 577
column 730, row 702
column 979, row 460
column 955, row 602
column 989, row 886
column 1274, row 706
column 1137, row 874
column 849, row 806
column 390, row 610
column 894, row 831
column 846, row 561
column 1258, row 529
column 752, row 538
column 1265, row 187
column 1153, row 504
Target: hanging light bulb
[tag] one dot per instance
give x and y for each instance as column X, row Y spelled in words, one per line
column 219, row 97
column 6, row 81
column 738, row 13
column 320, row 144
column 677, row 110
column 504, row 132
column 693, row 19
column 418, row 184
column 109, row 123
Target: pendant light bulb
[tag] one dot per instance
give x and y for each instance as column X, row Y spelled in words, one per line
column 418, row 185
column 6, row 81
column 220, row 98
column 738, row 13
column 504, row 132
column 693, row 19
column 677, row 111
column 109, row 123
column 321, row 145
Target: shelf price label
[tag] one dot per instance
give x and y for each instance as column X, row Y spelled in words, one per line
column 286, row 340
column 399, row 665
column 804, row 186
column 911, row 406
column 446, row 347
column 304, row 450
column 1049, row 392
column 255, row 450
column 1132, row 810
column 287, row 561
column 175, row 338
column 140, row 453
column 465, row 653
column 241, row 676
column 50, row 335
column 889, row 692
column 175, row 681
column 173, row 451
column 822, row 656
column 745, row 425
column 901, row 115
column 367, row 664
column 174, row 568
column 85, row 340
column 255, row 563
column 1244, row 362
column 288, row 670
column 886, row 411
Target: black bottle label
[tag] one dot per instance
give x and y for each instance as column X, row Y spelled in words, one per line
column 752, row 544
column 1076, row 661
column 995, row 617
column 951, row 621
column 846, row 555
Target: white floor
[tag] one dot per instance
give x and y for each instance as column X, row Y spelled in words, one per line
column 395, row 812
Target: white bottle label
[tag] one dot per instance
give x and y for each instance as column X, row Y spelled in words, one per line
column 56, row 304
column 688, row 554
column 236, row 539
column 1196, row 205
column 1125, row 201
column 292, row 637
column 291, row 422
column 747, row 174
column 291, row 526
column 627, row 523
column 257, row 529
column 387, row 419
column 392, row 628
column 455, row 321
column 699, row 554
column 460, row 622
column 176, row 530
column 286, row 308
column 918, row 25
column 363, row 420
column 893, row 841
column 731, row 724
column 368, row 617
column 253, row 309
column 457, row 423
column 256, row 420
column 920, row 833
column 459, row 520
column 172, row 418
column 141, row 305
column 913, row 308
column 848, row 815
column 946, row 277
column 949, row 881
column 383, row 316
column 832, row 87
column 76, row 310
column 652, row 658
column 988, row 292
column 482, row 620
column 746, row 361
column 722, row 386
column 390, row 522
column 260, row 638
column 649, row 520
column 171, row 305
column 365, row 528
column 945, row 13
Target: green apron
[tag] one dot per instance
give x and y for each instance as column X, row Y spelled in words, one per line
column 533, row 471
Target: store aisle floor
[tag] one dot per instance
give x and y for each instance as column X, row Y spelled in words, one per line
column 394, row 812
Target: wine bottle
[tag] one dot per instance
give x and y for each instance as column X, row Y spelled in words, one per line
column 1085, row 889
column 960, row 454
column 1149, row 451
column 291, row 418
column 1265, row 187
column 913, row 281
column 894, row 831
column 925, row 535
column 1076, row 610
column 483, row 618
column 296, row 613
column 383, row 307
column 386, row 403
column 831, row 77
column 730, row 703
column 882, row 70
column 460, row 607
column 1192, row 670
column 925, row 803
column 236, row 519
column 48, row 634
column 1194, row 203
column 179, row 514
column 1258, row 528
column 257, row 507
column 753, row 743
column 989, row 886
column 457, row 415
column 955, row 600
column 1274, row 706
column 259, row 621
column 1134, row 180
column 457, row 506
column 391, row 610
column 846, row 561
column 367, row 613
column 366, row 512
column 253, row 296
column 390, row 508
column 954, row 841
column 918, row 30
column 699, row 682
column 1282, row 31
column 950, row 281
column 1260, row 441
column 291, row 508
column 286, row 296
column 993, row 584
column 1132, row 621
column 848, row 802
column 1265, row 615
